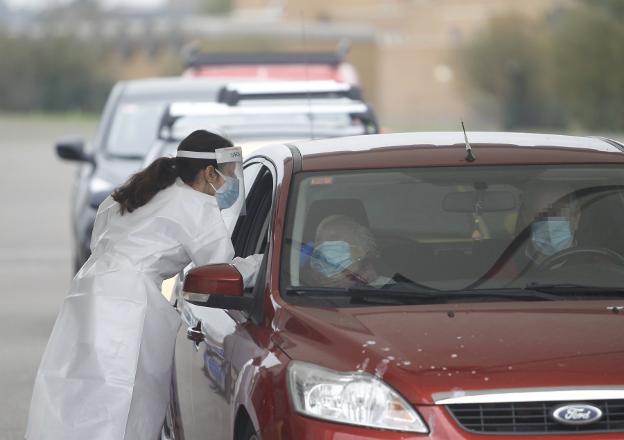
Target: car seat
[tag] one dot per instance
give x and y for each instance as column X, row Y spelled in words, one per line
column 321, row 209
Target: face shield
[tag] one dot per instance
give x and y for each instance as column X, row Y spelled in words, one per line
column 231, row 194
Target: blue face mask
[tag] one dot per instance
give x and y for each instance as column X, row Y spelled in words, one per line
column 227, row 194
column 331, row 257
column 551, row 235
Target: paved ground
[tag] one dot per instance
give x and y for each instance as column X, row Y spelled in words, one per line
column 34, row 253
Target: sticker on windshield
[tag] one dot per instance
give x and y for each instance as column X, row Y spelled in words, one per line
column 325, row 180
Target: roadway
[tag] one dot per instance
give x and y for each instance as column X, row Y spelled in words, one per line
column 35, row 268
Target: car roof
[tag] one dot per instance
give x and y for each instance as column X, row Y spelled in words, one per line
column 175, row 87
column 448, row 149
column 209, row 89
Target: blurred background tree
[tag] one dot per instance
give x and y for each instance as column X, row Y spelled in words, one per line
column 504, row 63
column 564, row 70
column 216, row 7
column 51, row 74
column 613, row 7
column 588, row 61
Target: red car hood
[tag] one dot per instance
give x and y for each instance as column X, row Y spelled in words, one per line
column 422, row 350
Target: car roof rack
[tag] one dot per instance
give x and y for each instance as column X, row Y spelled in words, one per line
column 233, row 93
column 177, row 110
column 199, row 59
column 181, row 109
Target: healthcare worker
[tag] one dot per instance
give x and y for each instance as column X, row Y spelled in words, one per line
column 106, row 371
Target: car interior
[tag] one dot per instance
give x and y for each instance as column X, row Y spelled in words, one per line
column 449, row 247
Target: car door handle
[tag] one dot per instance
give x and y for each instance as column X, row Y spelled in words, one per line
column 195, row 334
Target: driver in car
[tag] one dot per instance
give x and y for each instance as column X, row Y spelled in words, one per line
column 343, row 256
column 553, row 219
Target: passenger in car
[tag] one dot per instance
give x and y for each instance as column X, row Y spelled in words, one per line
column 345, row 255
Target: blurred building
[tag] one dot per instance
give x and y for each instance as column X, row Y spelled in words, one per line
column 404, row 50
column 415, row 80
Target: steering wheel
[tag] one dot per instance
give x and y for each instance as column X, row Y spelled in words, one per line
column 579, row 252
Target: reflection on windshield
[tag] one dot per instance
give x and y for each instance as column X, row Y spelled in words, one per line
column 457, row 229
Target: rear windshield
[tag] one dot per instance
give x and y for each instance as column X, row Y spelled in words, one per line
column 457, row 230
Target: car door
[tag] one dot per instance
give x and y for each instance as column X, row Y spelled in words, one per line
column 205, row 373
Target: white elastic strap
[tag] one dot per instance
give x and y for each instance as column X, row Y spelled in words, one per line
column 195, row 154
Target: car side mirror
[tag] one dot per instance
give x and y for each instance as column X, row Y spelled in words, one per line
column 217, row 286
column 72, row 149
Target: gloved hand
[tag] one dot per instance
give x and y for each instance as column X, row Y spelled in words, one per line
column 248, row 268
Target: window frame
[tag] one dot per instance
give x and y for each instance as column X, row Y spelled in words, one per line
column 249, row 225
column 265, row 227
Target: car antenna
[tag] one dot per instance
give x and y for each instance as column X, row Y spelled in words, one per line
column 307, row 73
column 470, row 157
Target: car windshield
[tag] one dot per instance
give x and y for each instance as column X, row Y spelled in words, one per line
column 546, row 231
column 134, row 128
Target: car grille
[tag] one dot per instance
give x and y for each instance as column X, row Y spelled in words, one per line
column 533, row 417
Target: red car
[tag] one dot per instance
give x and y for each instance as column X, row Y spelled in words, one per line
column 284, row 66
column 414, row 286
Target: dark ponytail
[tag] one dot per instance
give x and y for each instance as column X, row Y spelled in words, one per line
column 161, row 173
column 144, row 185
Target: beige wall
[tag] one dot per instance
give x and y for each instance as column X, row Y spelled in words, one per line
column 415, row 80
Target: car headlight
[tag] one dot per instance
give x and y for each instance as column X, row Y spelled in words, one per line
column 97, row 184
column 352, row 398
column 99, row 189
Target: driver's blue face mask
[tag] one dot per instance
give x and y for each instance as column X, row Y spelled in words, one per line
column 228, row 192
column 331, row 257
column 551, row 235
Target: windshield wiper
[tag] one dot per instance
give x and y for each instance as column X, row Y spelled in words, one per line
column 356, row 292
column 419, row 296
column 567, row 289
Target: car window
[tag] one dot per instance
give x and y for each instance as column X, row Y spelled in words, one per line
column 250, row 172
column 134, row 128
column 250, row 233
column 456, row 228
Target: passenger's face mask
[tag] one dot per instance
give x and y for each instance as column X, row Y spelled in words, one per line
column 551, row 235
column 331, row 257
column 227, row 193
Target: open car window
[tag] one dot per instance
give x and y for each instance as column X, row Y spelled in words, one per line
column 249, row 236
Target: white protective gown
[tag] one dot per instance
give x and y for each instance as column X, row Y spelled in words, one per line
column 106, row 371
